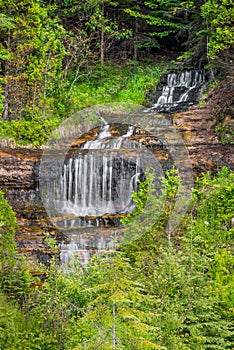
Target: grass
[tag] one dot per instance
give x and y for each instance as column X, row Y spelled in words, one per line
column 99, row 84
column 110, row 83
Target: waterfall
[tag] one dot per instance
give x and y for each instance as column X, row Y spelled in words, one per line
column 179, row 90
column 93, row 187
column 95, row 184
column 71, row 250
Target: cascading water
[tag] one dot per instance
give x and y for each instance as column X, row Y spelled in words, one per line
column 96, row 180
column 180, row 90
column 95, row 184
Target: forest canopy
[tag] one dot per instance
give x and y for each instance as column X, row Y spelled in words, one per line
column 47, row 48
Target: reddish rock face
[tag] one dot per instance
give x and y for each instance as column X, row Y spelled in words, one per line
column 19, row 180
column 197, row 127
column 19, row 175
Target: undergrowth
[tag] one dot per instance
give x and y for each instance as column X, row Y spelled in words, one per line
column 101, row 84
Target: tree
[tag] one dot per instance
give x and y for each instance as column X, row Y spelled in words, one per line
column 115, row 315
column 33, row 53
column 100, row 25
column 189, row 274
column 218, row 17
column 154, row 20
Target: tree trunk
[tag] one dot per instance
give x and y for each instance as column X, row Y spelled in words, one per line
column 5, row 113
column 102, row 44
column 113, row 328
column 45, row 87
column 102, row 47
column 135, row 49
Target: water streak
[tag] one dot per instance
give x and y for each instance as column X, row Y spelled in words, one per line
column 181, row 90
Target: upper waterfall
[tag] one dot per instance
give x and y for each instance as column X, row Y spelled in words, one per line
column 179, row 90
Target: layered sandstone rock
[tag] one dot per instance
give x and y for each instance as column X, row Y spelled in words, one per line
column 197, row 127
column 19, row 170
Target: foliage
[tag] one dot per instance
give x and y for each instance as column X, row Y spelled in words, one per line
column 154, row 204
column 215, row 224
column 28, row 132
column 219, row 19
column 7, row 231
column 50, row 53
column 113, row 83
column 115, row 316
column 14, row 275
column 154, row 292
column 10, row 323
column 128, row 83
column 32, row 52
column 49, row 310
column 158, row 14
column 20, row 329
column 189, row 274
column 47, row 48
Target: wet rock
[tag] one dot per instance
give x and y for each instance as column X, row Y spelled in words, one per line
column 19, row 171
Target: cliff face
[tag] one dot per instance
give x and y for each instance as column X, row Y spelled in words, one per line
column 19, row 168
column 19, row 177
column 197, row 127
column 209, row 131
column 19, row 180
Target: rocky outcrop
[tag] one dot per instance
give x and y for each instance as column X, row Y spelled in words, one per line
column 19, row 177
column 19, row 170
column 209, row 131
column 197, row 127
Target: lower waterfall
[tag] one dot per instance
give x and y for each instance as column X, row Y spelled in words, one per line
column 95, row 179
column 94, row 189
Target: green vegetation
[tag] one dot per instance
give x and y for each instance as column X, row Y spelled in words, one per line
column 113, row 83
column 128, row 83
column 155, row 292
column 57, row 57
column 28, row 132
column 219, row 17
column 7, row 229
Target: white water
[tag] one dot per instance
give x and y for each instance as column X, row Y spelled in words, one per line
column 97, row 183
column 72, row 250
column 77, row 248
column 181, row 89
column 97, row 179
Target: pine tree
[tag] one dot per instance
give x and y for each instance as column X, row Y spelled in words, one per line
column 188, row 274
column 115, row 315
